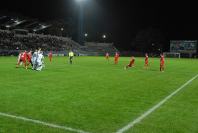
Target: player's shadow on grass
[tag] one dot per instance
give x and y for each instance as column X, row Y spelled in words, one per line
column 29, row 68
column 149, row 69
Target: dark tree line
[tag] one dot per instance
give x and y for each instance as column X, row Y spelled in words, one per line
column 148, row 40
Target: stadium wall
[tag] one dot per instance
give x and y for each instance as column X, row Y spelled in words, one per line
column 187, row 48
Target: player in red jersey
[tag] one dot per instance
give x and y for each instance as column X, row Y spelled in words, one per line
column 50, row 56
column 146, row 63
column 162, row 62
column 22, row 58
column 29, row 58
column 132, row 62
column 116, row 58
column 107, row 56
column 19, row 61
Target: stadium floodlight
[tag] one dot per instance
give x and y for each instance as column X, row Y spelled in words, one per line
column 16, row 21
column 7, row 26
column 43, row 26
column 86, row 34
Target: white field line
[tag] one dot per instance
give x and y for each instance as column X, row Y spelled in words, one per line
column 148, row 112
column 42, row 123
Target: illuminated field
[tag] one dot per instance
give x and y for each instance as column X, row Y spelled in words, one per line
column 96, row 96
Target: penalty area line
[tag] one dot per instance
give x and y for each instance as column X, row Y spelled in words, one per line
column 42, row 123
column 148, row 112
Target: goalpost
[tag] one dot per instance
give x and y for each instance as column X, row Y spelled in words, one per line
column 172, row 54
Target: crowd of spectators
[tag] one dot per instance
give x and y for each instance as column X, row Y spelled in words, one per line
column 11, row 41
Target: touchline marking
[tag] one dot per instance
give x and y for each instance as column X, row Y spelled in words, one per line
column 145, row 114
column 42, row 123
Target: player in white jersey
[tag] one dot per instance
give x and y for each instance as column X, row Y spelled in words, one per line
column 34, row 58
column 40, row 61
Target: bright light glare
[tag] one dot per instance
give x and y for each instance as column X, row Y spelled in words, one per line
column 80, row 0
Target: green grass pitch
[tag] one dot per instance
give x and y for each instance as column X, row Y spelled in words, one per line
column 99, row 97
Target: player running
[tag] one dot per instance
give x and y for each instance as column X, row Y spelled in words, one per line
column 162, row 62
column 107, row 56
column 131, row 63
column 116, row 58
column 71, row 56
column 50, row 56
column 146, row 63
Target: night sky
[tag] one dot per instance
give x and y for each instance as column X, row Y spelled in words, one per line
column 121, row 20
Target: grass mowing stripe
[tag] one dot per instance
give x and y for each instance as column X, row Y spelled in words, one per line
column 42, row 123
column 140, row 118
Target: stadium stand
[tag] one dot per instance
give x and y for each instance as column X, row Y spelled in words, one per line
column 12, row 43
column 93, row 48
column 20, row 33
